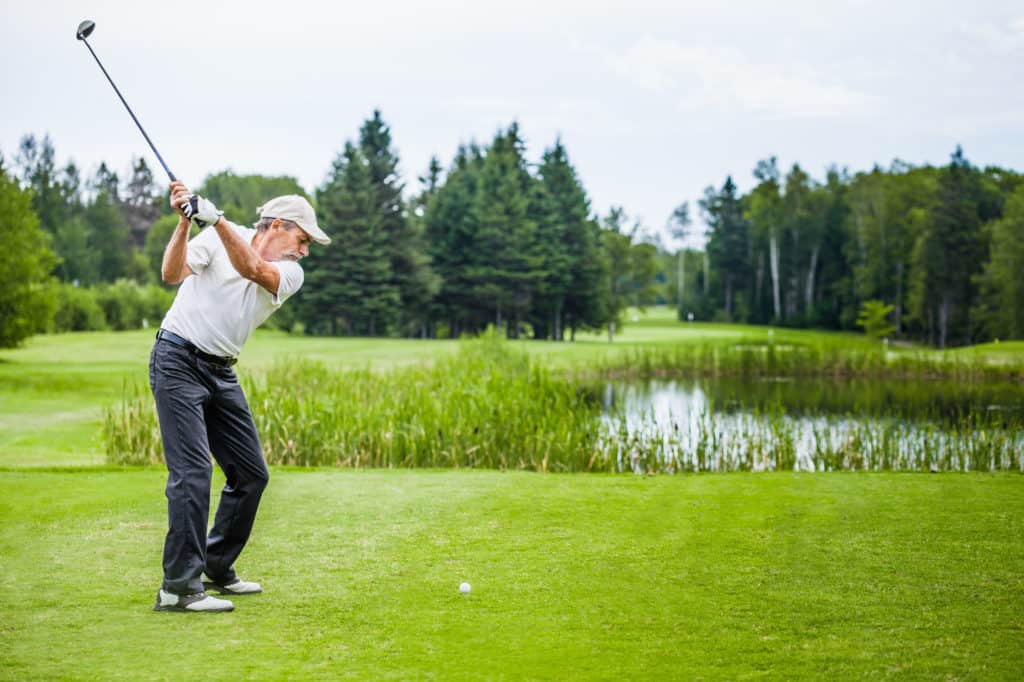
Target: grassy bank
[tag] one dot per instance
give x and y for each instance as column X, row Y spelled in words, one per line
column 783, row 576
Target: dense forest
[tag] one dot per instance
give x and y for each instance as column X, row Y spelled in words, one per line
column 490, row 239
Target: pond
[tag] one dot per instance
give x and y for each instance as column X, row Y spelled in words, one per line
column 805, row 424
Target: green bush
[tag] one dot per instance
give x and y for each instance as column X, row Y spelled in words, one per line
column 78, row 310
column 127, row 304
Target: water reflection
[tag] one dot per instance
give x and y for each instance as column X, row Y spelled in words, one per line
column 814, row 425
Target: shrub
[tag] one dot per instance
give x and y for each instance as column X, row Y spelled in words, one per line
column 127, row 304
column 78, row 310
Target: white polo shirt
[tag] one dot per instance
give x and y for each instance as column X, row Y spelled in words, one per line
column 215, row 307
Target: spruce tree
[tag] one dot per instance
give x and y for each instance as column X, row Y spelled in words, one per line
column 616, row 241
column 728, row 242
column 108, row 230
column 560, row 208
column 350, row 285
column 950, row 252
column 143, row 202
column 451, row 223
column 505, row 257
column 409, row 262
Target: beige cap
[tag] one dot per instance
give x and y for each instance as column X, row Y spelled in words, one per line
column 296, row 209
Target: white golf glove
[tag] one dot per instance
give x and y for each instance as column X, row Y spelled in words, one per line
column 201, row 210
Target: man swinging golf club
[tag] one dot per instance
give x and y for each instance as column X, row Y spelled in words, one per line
column 232, row 278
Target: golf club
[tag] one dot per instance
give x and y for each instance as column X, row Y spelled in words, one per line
column 85, row 29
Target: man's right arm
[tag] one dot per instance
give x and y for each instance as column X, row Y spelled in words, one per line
column 174, row 268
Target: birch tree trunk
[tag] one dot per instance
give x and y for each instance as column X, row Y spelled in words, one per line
column 774, row 258
column 809, row 293
column 680, row 273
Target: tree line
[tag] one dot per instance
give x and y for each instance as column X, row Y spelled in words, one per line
column 491, row 239
column 942, row 248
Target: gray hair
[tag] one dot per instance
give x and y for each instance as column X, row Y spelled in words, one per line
column 264, row 224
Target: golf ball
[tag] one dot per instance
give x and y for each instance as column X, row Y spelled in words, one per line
column 464, row 588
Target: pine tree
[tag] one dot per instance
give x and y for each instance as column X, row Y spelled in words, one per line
column 143, row 202
column 728, row 244
column 57, row 201
column 560, row 208
column 616, row 242
column 37, row 160
column 349, row 282
column 107, row 228
column 505, row 259
column 409, row 262
column 451, row 223
column 835, row 287
column 949, row 254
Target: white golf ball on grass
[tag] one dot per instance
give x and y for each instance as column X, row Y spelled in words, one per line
column 464, row 588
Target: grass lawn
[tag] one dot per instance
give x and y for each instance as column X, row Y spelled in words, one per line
column 783, row 576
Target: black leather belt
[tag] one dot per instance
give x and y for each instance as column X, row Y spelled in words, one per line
column 171, row 337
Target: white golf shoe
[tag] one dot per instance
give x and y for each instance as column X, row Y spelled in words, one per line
column 236, row 586
column 198, row 602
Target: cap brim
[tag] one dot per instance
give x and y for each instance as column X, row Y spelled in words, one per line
column 316, row 234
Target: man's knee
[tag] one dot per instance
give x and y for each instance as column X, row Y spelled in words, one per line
column 186, row 481
column 257, row 479
column 263, row 478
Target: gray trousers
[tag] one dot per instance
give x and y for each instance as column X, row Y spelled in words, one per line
column 202, row 410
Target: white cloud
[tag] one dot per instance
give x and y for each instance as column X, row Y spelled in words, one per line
column 719, row 78
column 1006, row 38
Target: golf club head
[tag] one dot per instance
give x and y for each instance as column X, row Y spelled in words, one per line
column 85, row 29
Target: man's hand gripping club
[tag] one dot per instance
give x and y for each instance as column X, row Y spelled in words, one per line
column 194, row 207
column 246, row 260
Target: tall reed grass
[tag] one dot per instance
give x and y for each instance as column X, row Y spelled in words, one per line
column 488, row 406
column 493, row 406
column 825, row 359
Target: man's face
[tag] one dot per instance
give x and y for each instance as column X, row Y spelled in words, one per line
column 282, row 243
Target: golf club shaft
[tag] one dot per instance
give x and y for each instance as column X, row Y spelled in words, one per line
column 141, row 129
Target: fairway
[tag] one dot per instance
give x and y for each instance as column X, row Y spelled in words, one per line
column 775, row 575
column 713, row 576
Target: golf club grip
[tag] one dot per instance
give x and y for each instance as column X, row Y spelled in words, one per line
column 130, row 112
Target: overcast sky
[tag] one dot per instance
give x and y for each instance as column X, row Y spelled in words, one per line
column 654, row 100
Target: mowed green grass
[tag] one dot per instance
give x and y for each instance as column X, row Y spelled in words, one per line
column 784, row 576
column 779, row 576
